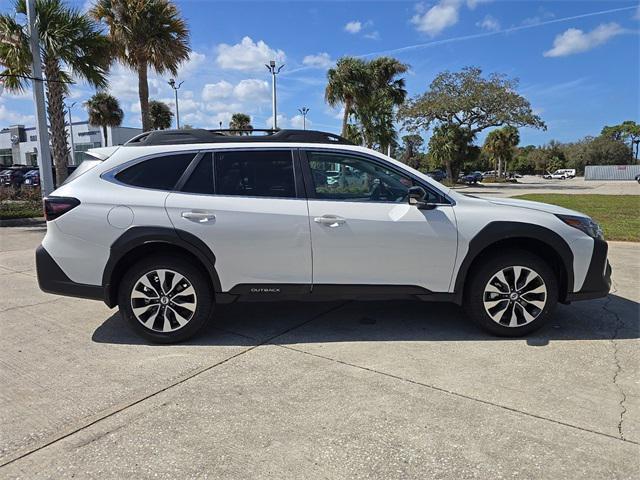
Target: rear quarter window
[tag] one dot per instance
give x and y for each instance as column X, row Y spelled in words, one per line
column 159, row 173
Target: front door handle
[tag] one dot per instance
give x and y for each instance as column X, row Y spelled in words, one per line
column 199, row 216
column 330, row 220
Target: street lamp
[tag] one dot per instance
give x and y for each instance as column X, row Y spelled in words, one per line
column 303, row 111
column 175, row 87
column 274, row 71
column 73, row 145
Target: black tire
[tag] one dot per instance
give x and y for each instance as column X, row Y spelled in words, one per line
column 521, row 308
column 203, row 298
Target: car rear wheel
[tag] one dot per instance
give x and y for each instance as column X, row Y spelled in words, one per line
column 512, row 294
column 165, row 299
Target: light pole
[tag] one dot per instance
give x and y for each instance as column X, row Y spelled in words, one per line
column 274, row 71
column 44, row 157
column 303, row 111
column 73, row 145
column 175, row 87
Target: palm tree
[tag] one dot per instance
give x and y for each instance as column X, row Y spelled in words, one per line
column 499, row 144
column 159, row 115
column 71, row 46
column 448, row 146
column 146, row 34
column 345, row 82
column 104, row 110
column 241, row 123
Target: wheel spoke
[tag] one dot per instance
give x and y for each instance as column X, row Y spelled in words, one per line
column 163, row 300
column 515, row 296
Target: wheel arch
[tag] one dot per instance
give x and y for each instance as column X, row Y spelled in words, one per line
column 138, row 242
column 541, row 241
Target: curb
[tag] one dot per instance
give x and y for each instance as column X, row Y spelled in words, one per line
column 23, row 222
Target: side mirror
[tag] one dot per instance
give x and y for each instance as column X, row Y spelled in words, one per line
column 418, row 197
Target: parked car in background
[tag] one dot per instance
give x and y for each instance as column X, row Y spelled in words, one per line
column 473, row 177
column 437, row 175
column 490, row 174
column 568, row 172
column 557, row 175
column 32, row 179
column 12, row 177
column 638, row 178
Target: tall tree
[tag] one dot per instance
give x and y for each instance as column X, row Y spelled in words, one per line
column 628, row 131
column 241, row 123
column 468, row 100
column 71, row 46
column 411, row 145
column 343, row 86
column 104, row 110
column 146, row 34
column 449, row 146
column 375, row 102
column 159, row 115
column 500, row 145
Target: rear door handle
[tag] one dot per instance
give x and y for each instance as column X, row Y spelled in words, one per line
column 199, row 216
column 330, row 220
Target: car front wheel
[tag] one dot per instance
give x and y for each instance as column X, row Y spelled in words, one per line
column 165, row 299
column 512, row 294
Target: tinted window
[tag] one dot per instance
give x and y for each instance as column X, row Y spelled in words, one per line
column 338, row 176
column 201, row 179
column 161, row 173
column 255, row 173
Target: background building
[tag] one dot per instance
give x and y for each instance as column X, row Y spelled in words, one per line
column 19, row 144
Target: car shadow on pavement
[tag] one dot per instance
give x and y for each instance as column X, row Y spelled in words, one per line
column 247, row 324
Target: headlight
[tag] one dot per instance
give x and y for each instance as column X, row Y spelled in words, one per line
column 584, row 224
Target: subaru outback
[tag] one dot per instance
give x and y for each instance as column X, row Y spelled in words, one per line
column 173, row 223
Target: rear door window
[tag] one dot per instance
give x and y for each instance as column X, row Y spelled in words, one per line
column 255, row 173
column 201, row 179
column 160, row 173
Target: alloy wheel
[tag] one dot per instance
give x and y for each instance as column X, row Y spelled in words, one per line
column 515, row 296
column 163, row 300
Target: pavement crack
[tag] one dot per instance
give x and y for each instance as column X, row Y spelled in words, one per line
column 121, row 408
column 18, row 307
column 458, row 394
column 618, row 367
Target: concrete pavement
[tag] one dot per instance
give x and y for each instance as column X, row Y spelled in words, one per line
column 313, row 390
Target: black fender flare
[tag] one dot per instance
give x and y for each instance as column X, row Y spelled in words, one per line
column 495, row 232
column 137, row 236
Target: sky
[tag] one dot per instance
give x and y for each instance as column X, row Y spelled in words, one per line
column 577, row 62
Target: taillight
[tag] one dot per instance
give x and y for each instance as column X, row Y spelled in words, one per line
column 57, row 206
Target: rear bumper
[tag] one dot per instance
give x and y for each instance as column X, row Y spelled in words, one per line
column 597, row 283
column 52, row 279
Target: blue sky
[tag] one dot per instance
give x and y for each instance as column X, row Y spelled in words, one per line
column 578, row 62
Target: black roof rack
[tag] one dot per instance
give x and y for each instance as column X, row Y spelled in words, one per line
column 198, row 135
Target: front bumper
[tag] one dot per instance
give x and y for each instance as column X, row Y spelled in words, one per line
column 597, row 283
column 52, row 279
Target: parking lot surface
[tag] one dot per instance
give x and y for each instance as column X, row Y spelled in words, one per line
column 535, row 184
column 316, row 390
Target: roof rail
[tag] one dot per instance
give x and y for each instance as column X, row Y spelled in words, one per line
column 198, row 135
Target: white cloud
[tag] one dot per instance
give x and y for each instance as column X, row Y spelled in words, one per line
column 637, row 15
column 213, row 91
column 472, row 4
column 191, row 66
column 283, row 122
column 247, row 55
column 11, row 117
column 434, row 20
column 574, row 40
column 252, row 90
column 123, row 84
column 353, row 27
column 489, row 23
column 321, row 60
column 375, row 35
column 297, row 121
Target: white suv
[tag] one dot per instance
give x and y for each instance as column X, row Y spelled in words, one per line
column 174, row 222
